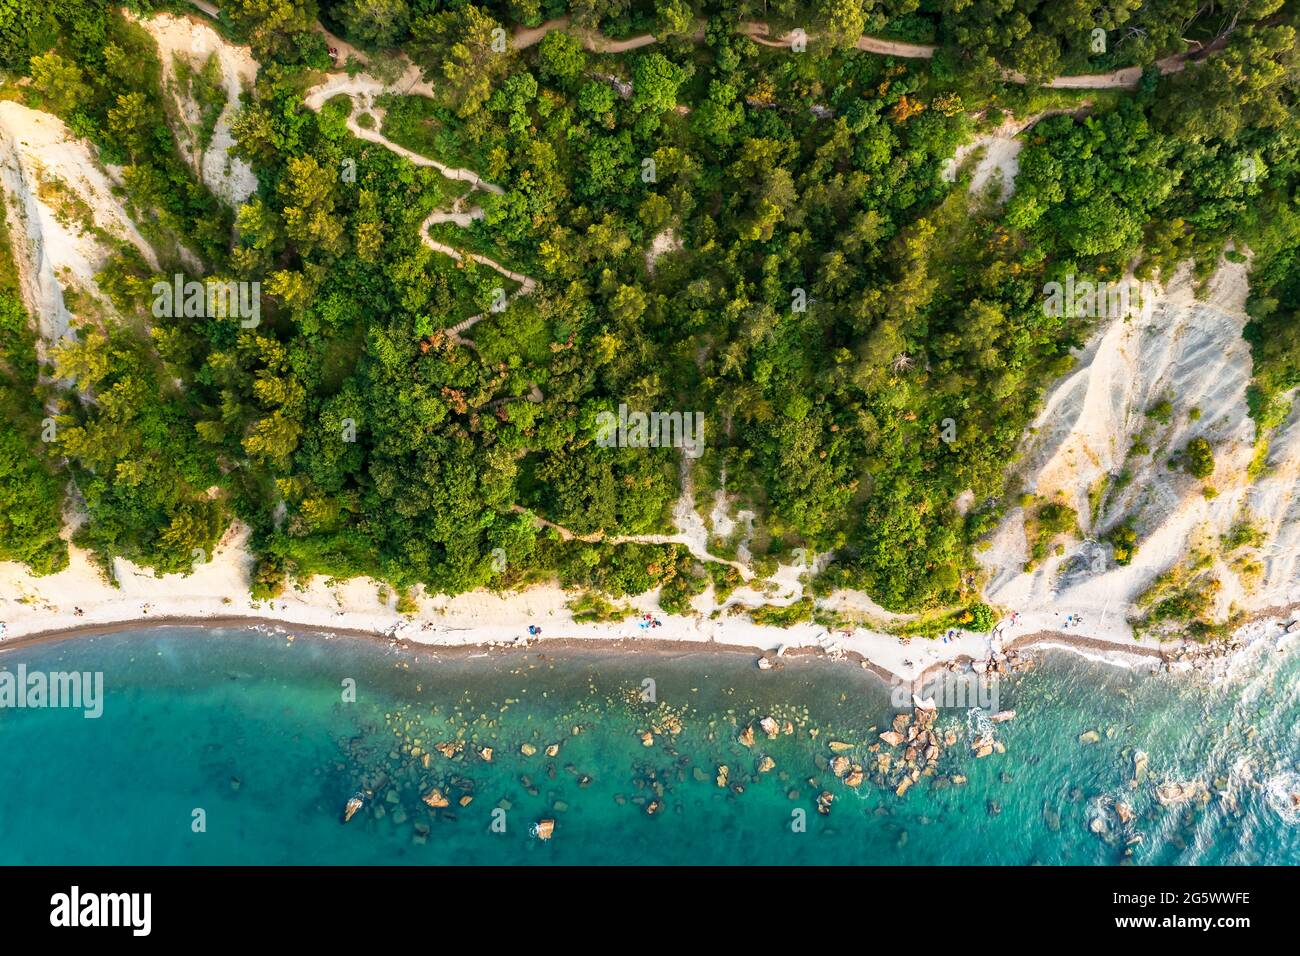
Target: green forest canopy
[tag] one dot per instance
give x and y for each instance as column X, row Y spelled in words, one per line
column 354, row 436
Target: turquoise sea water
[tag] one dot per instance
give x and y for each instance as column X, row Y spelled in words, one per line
column 252, row 729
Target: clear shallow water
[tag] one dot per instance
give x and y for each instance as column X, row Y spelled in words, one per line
column 252, row 728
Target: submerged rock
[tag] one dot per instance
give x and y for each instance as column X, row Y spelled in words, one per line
column 1174, row 793
column 354, row 804
column 1140, row 761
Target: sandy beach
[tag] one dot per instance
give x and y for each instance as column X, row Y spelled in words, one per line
column 80, row 601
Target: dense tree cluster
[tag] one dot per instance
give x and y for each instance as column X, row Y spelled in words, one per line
column 31, row 491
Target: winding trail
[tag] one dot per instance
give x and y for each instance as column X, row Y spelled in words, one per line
column 760, row 33
column 1126, row 78
column 363, row 90
column 690, row 542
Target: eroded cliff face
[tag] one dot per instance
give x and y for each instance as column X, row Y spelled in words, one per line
column 63, row 216
column 1110, row 444
column 61, row 204
column 191, row 44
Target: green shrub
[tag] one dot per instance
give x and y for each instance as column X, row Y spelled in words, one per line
column 1200, row 458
